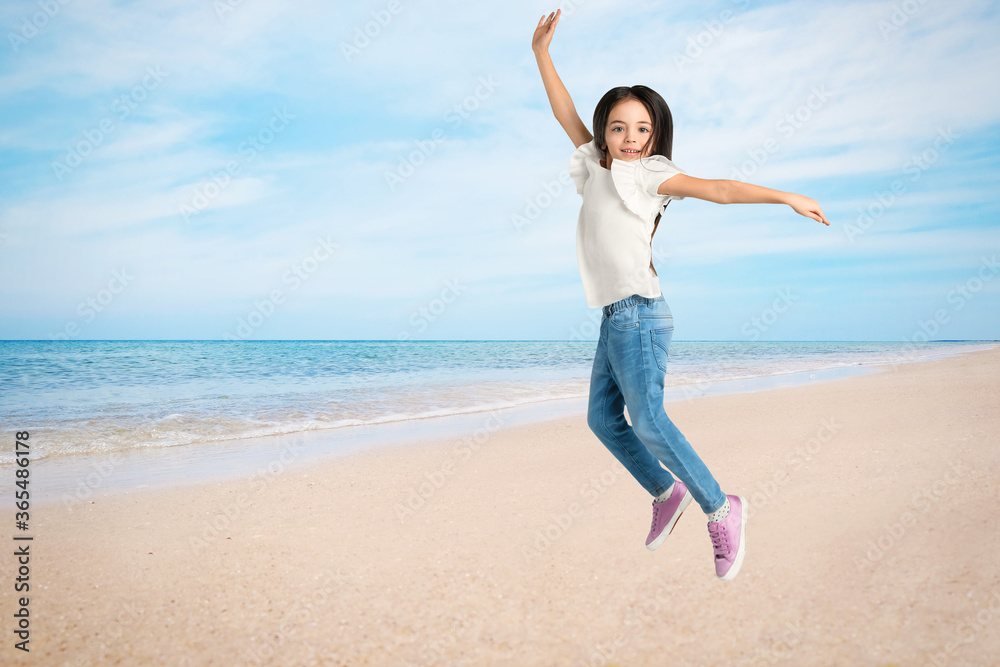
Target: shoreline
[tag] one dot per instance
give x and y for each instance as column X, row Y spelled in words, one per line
column 82, row 477
column 864, row 546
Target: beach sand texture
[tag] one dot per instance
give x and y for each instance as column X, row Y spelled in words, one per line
column 873, row 539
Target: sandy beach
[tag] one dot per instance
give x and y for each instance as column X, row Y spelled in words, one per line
column 872, row 540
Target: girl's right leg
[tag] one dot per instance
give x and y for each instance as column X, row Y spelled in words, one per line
column 606, row 418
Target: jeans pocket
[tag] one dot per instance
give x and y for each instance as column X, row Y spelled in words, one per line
column 624, row 319
column 660, row 342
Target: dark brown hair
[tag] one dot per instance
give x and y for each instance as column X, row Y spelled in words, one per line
column 660, row 143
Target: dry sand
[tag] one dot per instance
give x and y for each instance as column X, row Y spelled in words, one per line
column 873, row 540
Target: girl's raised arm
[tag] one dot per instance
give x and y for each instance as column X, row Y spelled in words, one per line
column 559, row 99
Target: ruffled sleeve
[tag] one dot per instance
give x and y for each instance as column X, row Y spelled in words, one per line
column 581, row 162
column 638, row 181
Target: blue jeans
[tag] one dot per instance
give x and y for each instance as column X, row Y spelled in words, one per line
column 629, row 370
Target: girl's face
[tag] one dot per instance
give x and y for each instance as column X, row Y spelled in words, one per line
column 628, row 131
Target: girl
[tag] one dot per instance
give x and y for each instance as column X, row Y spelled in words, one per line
column 626, row 177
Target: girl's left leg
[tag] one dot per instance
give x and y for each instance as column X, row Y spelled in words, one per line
column 637, row 344
column 637, row 347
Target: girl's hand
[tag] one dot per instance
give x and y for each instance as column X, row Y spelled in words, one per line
column 807, row 207
column 543, row 33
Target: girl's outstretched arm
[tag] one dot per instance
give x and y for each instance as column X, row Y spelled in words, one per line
column 562, row 103
column 724, row 191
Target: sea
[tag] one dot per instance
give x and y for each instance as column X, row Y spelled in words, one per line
column 95, row 397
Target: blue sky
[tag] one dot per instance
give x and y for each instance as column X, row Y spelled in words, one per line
column 240, row 169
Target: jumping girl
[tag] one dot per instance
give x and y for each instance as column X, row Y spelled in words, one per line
column 626, row 176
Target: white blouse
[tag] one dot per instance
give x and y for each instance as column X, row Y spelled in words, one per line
column 615, row 227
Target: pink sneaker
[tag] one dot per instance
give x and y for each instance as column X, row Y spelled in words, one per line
column 666, row 513
column 729, row 538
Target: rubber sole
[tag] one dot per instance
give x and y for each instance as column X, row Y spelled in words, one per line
column 741, row 551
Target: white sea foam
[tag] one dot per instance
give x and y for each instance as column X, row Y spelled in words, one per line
column 83, row 398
